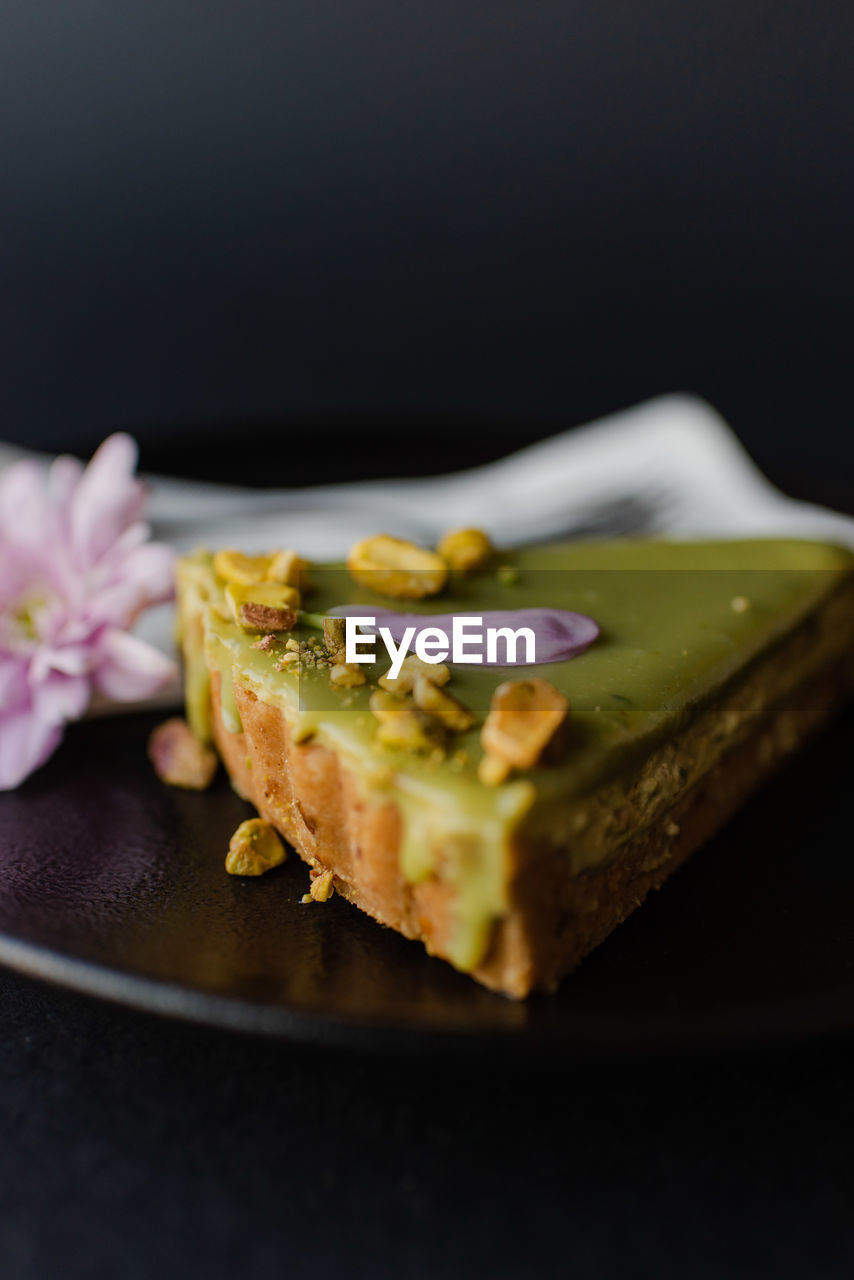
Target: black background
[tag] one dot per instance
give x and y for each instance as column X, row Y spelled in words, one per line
column 460, row 223
column 380, row 238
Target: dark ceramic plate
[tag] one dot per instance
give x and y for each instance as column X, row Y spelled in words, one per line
column 114, row 884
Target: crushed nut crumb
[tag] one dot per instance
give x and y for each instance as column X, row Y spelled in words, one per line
column 311, row 652
column 346, row 675
column 179, row 757
column 412, row 667
column 321, row 887
column 441, row 704
column 492, row 771
column 383, row 704
column 410, row 729
column 524, row 716
column 254, row 848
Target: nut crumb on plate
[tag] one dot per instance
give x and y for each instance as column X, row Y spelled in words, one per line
column 179, row 757
column 255, row 847
column 321, row 887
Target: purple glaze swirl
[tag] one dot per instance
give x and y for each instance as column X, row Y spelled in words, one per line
column 559, row 634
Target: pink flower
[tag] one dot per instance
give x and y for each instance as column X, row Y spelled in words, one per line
column 75, row 570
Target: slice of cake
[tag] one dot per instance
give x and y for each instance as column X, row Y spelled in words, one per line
column 510, row 816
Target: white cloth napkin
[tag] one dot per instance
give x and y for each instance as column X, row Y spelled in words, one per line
column 669, row 467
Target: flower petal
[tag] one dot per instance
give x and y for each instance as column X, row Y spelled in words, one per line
column 133, row 536
column 75, row 570
column 66, row 660
column 127, row 668
column 26, row 741
column 107, row 498
column 63, row 478
column 152, row 568
column 15, row 575
column 23, row 505
column 13, row 683
column 61, row 697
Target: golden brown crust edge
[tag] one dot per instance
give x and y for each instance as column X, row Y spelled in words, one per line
column 555, row 917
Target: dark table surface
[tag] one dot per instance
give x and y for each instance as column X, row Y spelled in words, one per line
column 135, row 1147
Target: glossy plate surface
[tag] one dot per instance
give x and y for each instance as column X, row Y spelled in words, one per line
column 114, row 884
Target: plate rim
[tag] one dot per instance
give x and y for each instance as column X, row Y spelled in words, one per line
column 774, row 1023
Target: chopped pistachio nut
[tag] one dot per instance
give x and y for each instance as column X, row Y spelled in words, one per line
column 179, row 757
column 234, row 566
column 412, row 667
column 383, row 704
column 264, row 642
column 264, row 617
column 492, row 771
column 466, row 549
column 444, row 706
column 346, row 675
column 524, row 716
column 263, row 606
column 394, row 567
column 254, row 848
column 334, row 634
column 321, row 887
column 410, row 729
column 288, row 569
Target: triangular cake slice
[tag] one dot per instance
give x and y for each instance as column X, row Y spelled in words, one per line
column 713, row 662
